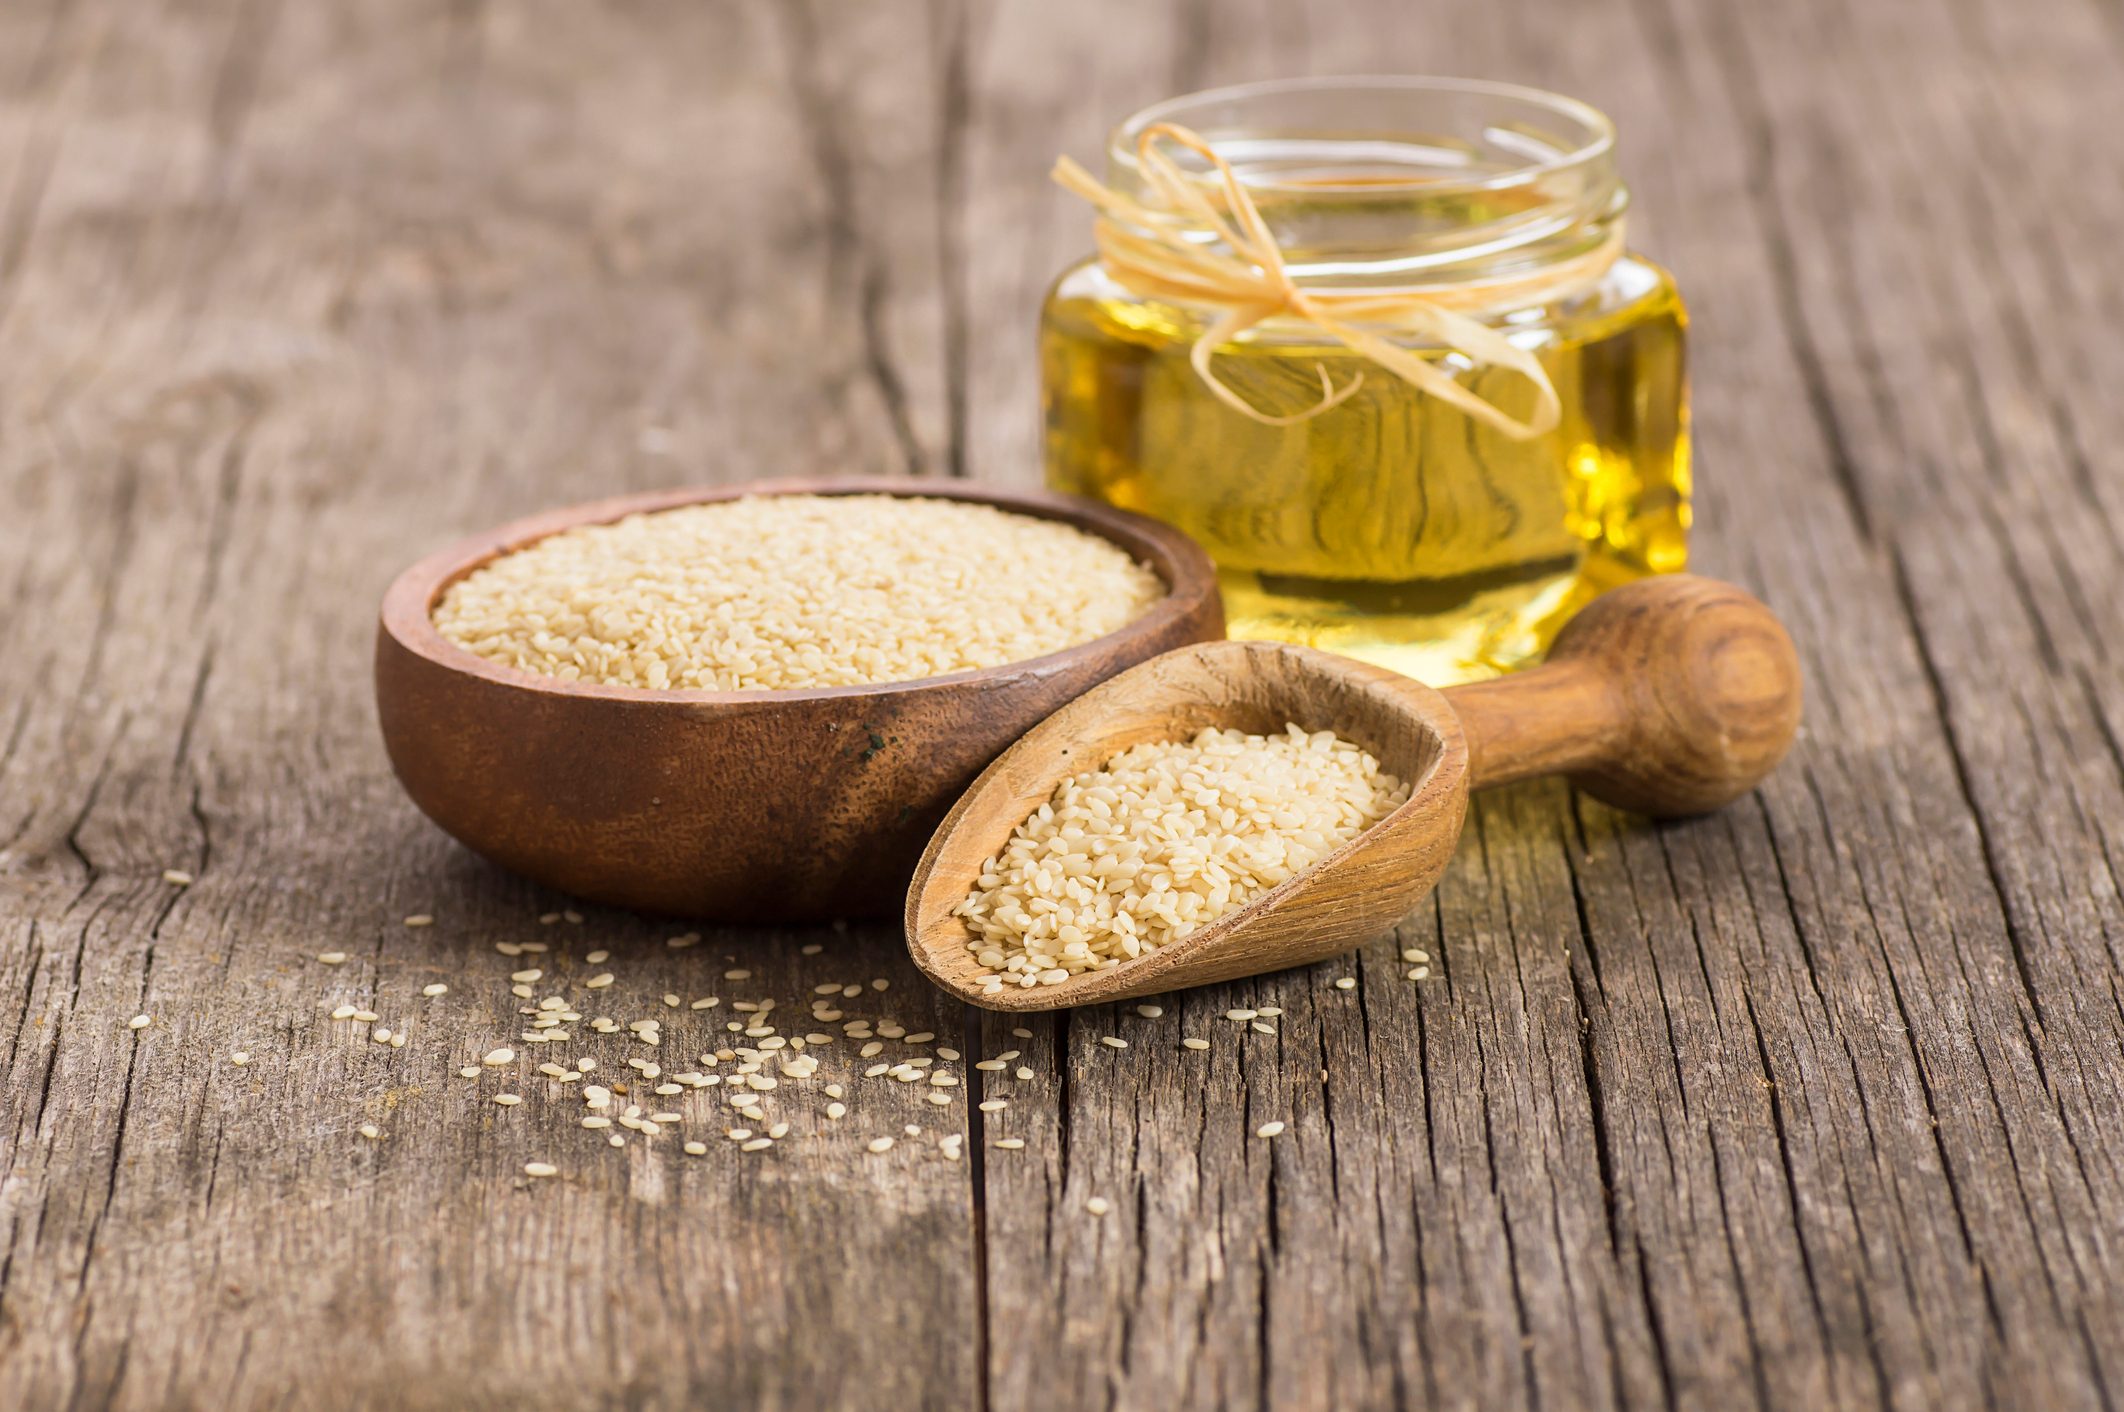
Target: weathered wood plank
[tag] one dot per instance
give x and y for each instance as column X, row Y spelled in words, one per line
column 1815, row 1103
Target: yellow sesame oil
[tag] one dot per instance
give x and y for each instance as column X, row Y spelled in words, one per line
column 1393, row 526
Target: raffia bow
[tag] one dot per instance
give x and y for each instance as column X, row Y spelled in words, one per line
column 1155, row 252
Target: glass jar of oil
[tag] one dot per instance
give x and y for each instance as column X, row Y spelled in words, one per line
column 1393, row 525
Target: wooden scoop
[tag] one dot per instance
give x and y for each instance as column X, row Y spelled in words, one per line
column 1673, row 695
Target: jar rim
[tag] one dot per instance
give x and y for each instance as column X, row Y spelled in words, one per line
column 1598, row 143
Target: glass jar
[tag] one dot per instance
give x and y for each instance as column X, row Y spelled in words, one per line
column 1392, row 525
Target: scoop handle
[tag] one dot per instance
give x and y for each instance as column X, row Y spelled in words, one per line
column 1671, row 695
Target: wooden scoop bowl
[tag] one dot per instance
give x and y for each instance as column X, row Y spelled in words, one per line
column 1670, row 696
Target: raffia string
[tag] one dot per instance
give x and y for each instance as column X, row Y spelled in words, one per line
column 1155, row 252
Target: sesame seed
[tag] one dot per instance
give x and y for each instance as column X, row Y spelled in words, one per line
column 812, row 949
column 995, row 1105
column 498, row 1057
column 1419, row 973
column 923, row 1038
column 758, row 1144
column 947, row 1054
column 836, row 1110
column 525, row 977
column 541, row 1169
column 572, row 916
column 1260, row 1028
column 1193, row 1043
column 370, row 1131
column 1098, row 1206
column 470, row 1071
column 366, row 1017
column 596, row 1121
column 431, row 991
column 177, row 876
column 1021, row 1033
column 1269, row 1130
column 1009, row 1144
column 1113, row 1041
column 139, row 1022
column 507, row 1100
column 881, row 984
column 1240, row 1014
column 239, row 1058
column 881, row 1144
column 1150, row 1012
column 597, row 957
column 696, row 1149
column 343, row 1012
column 598, row 982
column 398, row 1039
column 1269, row 1012
column 333, row 958
column 1416, row 955
column 1024, row 1073
column 509, row 948
column 381, row 1034
column 739, row 975
column 1345, row 982
column 420, row 919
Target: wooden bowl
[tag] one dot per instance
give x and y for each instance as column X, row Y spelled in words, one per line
column 732, row 805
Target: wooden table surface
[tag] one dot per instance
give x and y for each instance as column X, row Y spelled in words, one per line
column 1813, row 1103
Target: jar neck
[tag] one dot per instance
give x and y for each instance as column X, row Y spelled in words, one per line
column 1387, row 185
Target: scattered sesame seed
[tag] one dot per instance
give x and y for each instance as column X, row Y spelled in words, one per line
column 1021, row 1033
column 995, row 1105
column 343, row 1012
column 1024, row 1073
column 139, row 1022
column 881, row 1144
column 1009, row 1144
column 1113, row 1041
column 596, row 1121
column 507, row 1100
column 370, row 1131
column 758, row 1144
column 498, row 1057
column 509, row 948
column 1419, row 973
column 739, row 975
column 541, row 1169
column 525, row 977
column 1098, row 1206
column 1269, row 1130
column 177, row 876
column 811, row 949
column 599, row 981
column 239, row 1058
column 1269, row 1012
column 381, row 1034
column 420, row 919
column 470, row 1071
column 1193, row 1043
column 431, row 991
column 836, row 1110
column 1240, row 1014
column 947, row 1055
column 1345, row 982
column 547, row 919
column 696, row 1149
column 881, row 984
column 366, row 1017
column 572, row 916
column 333, row 958
column 1150, row 1012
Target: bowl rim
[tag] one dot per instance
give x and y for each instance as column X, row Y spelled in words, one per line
column 408, row 604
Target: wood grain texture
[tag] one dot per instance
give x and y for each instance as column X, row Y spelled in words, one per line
column 1816, row 1102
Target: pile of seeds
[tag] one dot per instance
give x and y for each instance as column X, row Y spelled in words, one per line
column 785, row 592
column 1164, row 839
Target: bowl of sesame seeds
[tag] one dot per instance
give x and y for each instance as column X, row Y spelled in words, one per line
column 756, row 702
